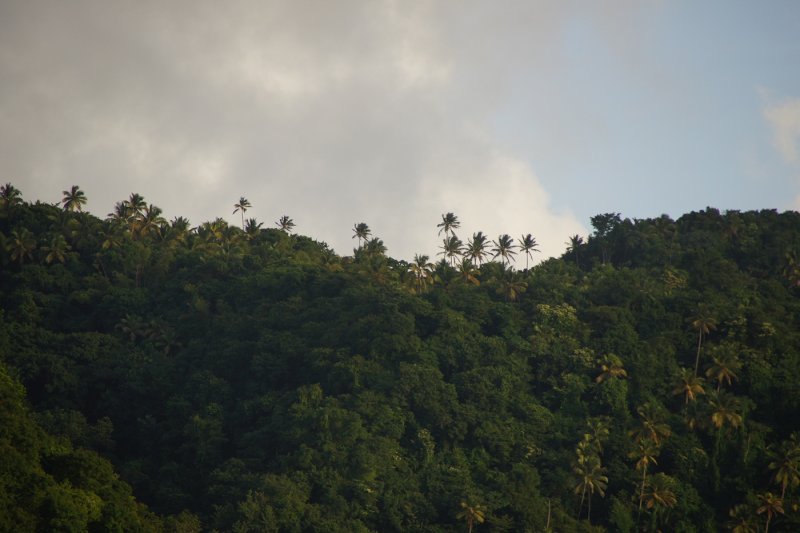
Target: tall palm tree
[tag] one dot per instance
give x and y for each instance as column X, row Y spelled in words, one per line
column 449, row 224
column 527, row 243
column 243, row 205
column 421, row 270
column 703, row 324
column 74, row 199
column 510, row 286
column 785, row 461
column 645, row 454
column 362, row 232
column 689, row 385
column 476, row 248
column 771, row 505
column 472, row 514
column 611, row 367
column 285, row 224
column 504, row 248
column 451, row 248
column 591, row 479
column 724, row 367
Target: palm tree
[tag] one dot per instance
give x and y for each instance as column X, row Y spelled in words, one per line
column 785, row 461
column 421, row 270
column 476, row 248
column 285, row 224
column 724, row 368
column 658, row 494
column 56, row 250
column 73, row 199
column 610, row 367
column 690, row 385
column 135, row 205
column 725, row 410
column 573, row 245
column 361, row 231
column 591, row 480
column 741, row 519
column 451, row 248
column 473, row 514
column 449, row 223
column 645, row 455
column 598, row 432
column 510, row 286
column 243, row 205
column 149, row 221
column 21, row 245
column 252, row 227
column 770, row 505
column 9, row 196
column 703, row 324
column 651, row 427
column 468, row 271
column 504, row 247
column 527, row 243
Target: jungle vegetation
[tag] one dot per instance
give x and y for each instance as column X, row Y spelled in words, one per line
column 159, row 376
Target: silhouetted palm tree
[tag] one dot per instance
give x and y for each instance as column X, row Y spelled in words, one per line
column 527, row 243
column 449, row 223
column 451, row 248
column 362, row 232
column 285, row 224
column 476, row 248
column 243, row 205
column 504, row 248
column 73, row 199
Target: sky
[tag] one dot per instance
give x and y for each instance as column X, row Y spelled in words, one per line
column 518, row 116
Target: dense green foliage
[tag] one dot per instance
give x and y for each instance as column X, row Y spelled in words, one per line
column 252, row 380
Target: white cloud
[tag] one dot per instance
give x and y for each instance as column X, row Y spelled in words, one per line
column 330, row 112
column 784, row 117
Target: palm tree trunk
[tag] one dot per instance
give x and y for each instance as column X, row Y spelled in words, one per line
column 697, row 359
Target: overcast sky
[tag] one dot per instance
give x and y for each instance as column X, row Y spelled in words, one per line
column 519, row 117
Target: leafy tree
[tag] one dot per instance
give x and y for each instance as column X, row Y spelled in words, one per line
column 56, row 250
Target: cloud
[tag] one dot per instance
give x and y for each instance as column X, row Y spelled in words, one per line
column 784, row 117
column 330, row 112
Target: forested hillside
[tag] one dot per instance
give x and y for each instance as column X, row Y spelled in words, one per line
column 156, row 376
